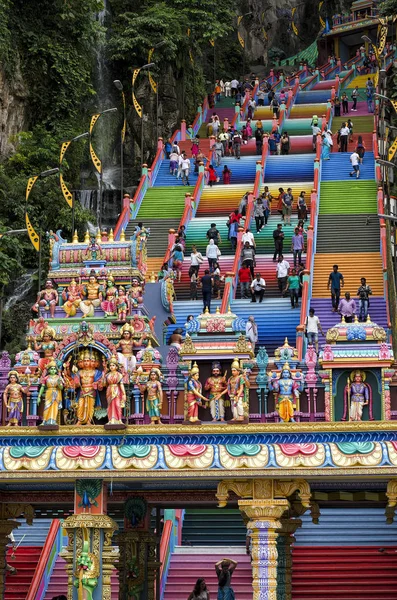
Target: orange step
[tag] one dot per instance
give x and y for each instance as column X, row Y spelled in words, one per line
column 352, row 266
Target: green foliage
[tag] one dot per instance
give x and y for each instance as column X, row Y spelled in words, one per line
column 388, row 8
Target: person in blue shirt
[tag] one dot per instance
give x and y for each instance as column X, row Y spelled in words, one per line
column 335, row 282
column 168, row 148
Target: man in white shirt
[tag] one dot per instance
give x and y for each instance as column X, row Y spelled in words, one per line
column 355, row 161
column 282, row 269
column 175, row 148
column 180, row 162
column 248, row 237
column 344, row 136
column 185, row 169
column 258, row 286
column 312, row 326
column 234, row 86
column 228, row 86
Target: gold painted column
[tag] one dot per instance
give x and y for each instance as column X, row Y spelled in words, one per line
column 9, row 512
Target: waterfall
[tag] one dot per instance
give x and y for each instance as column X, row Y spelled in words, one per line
column 21, row 289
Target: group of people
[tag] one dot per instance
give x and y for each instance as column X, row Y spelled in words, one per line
column 346, row 306
column 224, row 570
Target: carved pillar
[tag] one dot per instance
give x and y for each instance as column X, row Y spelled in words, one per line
column 264, row 502
column 90, row 555
column 138, row 564
column 9, row 512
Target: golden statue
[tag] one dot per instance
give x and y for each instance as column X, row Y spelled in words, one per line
column 88, row 379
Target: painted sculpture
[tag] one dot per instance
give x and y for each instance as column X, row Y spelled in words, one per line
column 108, row 305
column 216, row 384
column 357, row 394
column 92, row 296
column 286, row 390
column 47, row 299
column 51, row 386
column 115, row 392
column 88, row 380
column 122, row 305
column 47, row 345
column 13, row 398
column 87, row 573
column 72, row 299
column 93, row 250
column 193, row 396
column 126, row 346
column 237, row 389
column 151, row 384
column 135, row 293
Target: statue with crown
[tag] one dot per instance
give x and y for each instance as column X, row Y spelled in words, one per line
column 286, row 386
column 88, row 380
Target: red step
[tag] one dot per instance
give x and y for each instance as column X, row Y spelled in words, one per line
column 25, row 561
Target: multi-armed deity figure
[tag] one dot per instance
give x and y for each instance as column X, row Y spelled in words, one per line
column 286, row 390
column 357, row 395
column 51, row 386
column 135, row 293
column 47, row 299
column 194, row 397
column 216, row 384
column 93, row 251
column 151, row 383
column 92, row 296
column 47, row 345
column 140, row 238
column 126, row 347
column 115, row 392
column 72, row 298
column 88, row 380
column 13, row 398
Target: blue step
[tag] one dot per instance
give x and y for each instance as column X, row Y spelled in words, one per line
column 298, row 167
column 165, row 179
column 243, row 169
column 274, row 316
column 339, row 167
column 312, row 97
column 347, row 527
column 32, row 535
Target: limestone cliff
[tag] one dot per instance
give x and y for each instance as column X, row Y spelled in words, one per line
column 13, row 108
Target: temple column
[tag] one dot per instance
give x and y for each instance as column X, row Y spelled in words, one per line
column 8, row 514
column 137, row 563
column 264, row 503
column 90, row 555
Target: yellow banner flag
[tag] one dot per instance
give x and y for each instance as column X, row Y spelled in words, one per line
column 294, row 28
column 394, row 104
column 188, row 32
column 191, row 57
column 137, row 106
column 239, row 19
column 134, row 76
column 64, row 147
column 124, row 129
column 240, row 39
column 153, row 83
column 94, row 119
column 96, row 161
column 30, row 184
column 66, row 193
column 265, row 36
column 392, row 150
column 212, row 42
column 34, row 237
column 149, row 56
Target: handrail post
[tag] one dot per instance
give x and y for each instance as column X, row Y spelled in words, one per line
column 183, row 130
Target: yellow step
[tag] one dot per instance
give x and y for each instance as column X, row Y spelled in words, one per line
column 353, row 266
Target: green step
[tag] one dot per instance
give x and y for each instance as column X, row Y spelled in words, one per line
column 348, row 197
column 360, row 124
column 163, row 202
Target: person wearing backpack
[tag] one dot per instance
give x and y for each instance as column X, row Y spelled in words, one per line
column 363, row 292
column 360, row 148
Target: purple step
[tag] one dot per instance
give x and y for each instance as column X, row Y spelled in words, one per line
column 323, row 307
column 223, row 113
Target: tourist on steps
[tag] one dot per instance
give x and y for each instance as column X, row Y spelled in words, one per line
column 312, row 326
column 347, row 308
column 363, row 292
column 212, row 253
column 355, row 161
column 200, row 591
column 293, row 285
column 335, row 282
column 224, row 571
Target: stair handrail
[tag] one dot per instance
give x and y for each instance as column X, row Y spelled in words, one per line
column 313, row 79
column 308, row 273
column 171, row 537
column 45, row 565
column 158, row 159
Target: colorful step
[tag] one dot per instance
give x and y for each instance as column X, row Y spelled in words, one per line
column 353, row 267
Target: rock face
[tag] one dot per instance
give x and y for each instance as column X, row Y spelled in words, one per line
column 13, row 109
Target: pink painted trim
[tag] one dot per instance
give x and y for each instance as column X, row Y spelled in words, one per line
column 44, row 556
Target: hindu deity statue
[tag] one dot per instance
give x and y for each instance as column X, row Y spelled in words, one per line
column 115, row 392
column 357, row 395
column 238, row 390
column 47, row 345
column 140, row 236
column 194, row 397
column 92, row 296
column 47, row 299
column 72, row 298
column 51, row 386
column 216, row 384
column 88, row 380
column 286, row 390
column 93, row 250
column 126, row 346
column 122, row 304
column 151, row 384
column 13, row 398
column 135, row 292
column 87, row 573
column 108, row 305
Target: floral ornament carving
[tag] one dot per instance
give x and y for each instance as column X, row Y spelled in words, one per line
column 263, row 489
